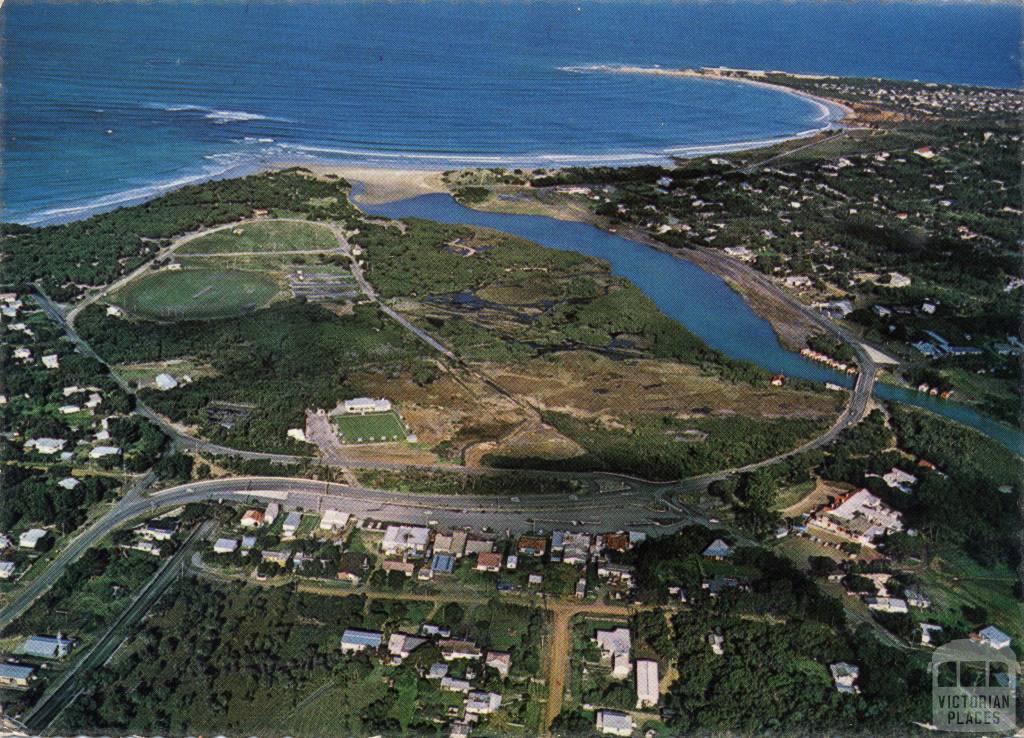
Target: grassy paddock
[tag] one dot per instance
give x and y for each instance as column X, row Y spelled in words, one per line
column 267, row 235
column 191, row 294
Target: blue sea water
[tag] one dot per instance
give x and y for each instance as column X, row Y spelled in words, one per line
column 106, row 103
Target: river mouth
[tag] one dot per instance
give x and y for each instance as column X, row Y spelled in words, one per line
column 699, row 300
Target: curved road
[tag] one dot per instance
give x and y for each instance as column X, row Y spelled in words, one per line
column 594, row 512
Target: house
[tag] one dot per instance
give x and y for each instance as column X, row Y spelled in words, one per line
column 500, row 661
column 531, row 546
column 225, row 546
column 438, row 671
column 452, row 649
column 165, row 382
column 581, row 588
column 354, row 640
column 68, row 483
column 334, row 520
column 478, row 545
column 718, row 550
column 429, row 629
column 886, row 604
column 861, row 517
column 575, row 548
column 7, row 569
column 442, row 563
column 620, row 573
column 482, row 703
column 453, row 543
column 929, row 633
column 100, row 451
column 488, row 562
column 400, row 645
column 925, row 152
column 992, row 637
column 719, row 584
column 364, row 405
column 291, row 524
column 161, row 529
column 405, row 539
column 881, row 311
column 150, row 547
column 273, row 510
column 46, row 647
column 15, row 675
column 51, row 361
column 31, row 538
column 459, row 729
column 898, row 280
column 899, row 479
column 615, row 646
column 352, row 567
column 512, row 562
column 740, row 252
column 450, row 684
column 916, row 598
column 276, row 557
column 45, row 446
column 716, row 641
column 535, row 580
column 69, row 409
column 612, row 722
column 616, row 541
column 845, row 677
column 248, row 543
column 405, row 567
column 252, row 519
column 647, row 690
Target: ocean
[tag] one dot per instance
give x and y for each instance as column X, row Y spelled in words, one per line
column 110, row 103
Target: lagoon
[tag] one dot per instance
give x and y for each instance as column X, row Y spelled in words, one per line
column 701, row 301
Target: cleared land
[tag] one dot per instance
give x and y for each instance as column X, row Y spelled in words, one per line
column 196, row 294
column 270, row 236
column 370, row 428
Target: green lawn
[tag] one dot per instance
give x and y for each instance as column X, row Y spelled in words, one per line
column 191, row 294
column 370, row 428
column 264, row 236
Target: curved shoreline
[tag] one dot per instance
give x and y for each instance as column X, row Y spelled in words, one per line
column 833, row 114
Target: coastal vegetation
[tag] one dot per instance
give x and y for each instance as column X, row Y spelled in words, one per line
column 68, row 259
column 276, row 362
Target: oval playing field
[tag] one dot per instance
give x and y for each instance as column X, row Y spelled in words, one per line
column 194, row 294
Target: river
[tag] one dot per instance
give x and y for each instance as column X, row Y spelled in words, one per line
column 701, row 301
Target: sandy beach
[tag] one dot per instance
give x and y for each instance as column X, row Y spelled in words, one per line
column 384, row 184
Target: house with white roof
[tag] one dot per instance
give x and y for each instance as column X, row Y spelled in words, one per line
column 845, row 677
column 364, row 405
column 68, row 483
column 615, row 646
column 31, row 538
column 647, row 683
column 225, row 546
column 405, row 539
column 334, row 520
column 993, row 637
column 165, row 382
column 613, row 722
column 100, row 451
